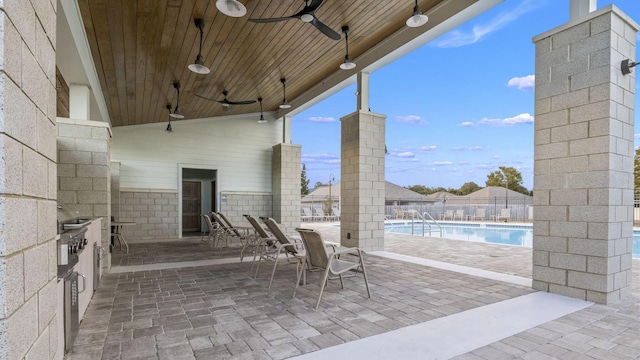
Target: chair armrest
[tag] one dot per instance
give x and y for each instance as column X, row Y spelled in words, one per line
column 353, row 251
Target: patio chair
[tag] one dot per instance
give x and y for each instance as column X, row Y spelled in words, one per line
column 306, row 214
column 479, row 215
column 224, row 232
column 504, row 214
column 459, row 214
column 335, row 213
column 399, row 213
column 447, row 215
column 318, row 259
column 293, row 249
column 247, row 239
column 211, row 239
column 318, row 214
column 263, row 241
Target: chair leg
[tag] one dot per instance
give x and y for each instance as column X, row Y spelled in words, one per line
column 322, row 282
column 300, row 273
column 364, row 273
column 275, row 264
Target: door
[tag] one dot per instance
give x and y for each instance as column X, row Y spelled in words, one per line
column 191, row 206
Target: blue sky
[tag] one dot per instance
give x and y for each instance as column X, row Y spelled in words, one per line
column 457, row 108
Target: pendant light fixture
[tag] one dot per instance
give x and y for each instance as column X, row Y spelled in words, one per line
column 347, row 64
column 262, row 120
column 418, row 18
column 233, row 8
column 176, row 112
column 285, row 104
column 198, row 67
column 169, row 129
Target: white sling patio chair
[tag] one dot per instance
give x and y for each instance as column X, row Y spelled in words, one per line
column 317, row 258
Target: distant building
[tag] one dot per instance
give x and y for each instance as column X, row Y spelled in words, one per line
column 394, row 195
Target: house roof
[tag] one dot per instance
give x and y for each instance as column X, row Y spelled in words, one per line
column 140, row 48
column 393, row 192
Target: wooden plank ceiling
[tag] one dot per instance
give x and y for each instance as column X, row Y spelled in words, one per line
column 140, row 47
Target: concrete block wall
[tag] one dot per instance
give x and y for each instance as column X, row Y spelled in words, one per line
column 362, row 181
column 583, row 170
column 240, row 203
column 84, row 176
column 155, row 213
column 286, row 172
column 28, row 257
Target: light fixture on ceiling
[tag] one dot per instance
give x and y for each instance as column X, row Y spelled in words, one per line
column 285, row 104
column 347, row 64
column 262, row 120
column 418, row 18
column 169, row 129
column 198, row 66
column 233, row 8
column 626, row 66
column 176, row 112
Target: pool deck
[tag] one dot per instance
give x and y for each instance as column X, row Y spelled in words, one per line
column 431, row 299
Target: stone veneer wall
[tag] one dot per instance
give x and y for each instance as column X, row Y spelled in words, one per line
column 362, row 185
column 84, row 176
column 28, row 257
column 155, row 213
column 583, row 171
column 240, row 203
column 286, row 171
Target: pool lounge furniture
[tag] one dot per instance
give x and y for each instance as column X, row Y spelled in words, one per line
column 479, row 215
column 317, row 259
column 292, row 248
column 225, row 232
column 459, row 214
column 447, row 215
column 318, row 214
column 306, row 214
column 504, row 214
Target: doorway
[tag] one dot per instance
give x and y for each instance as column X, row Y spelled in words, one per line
column 191, row 206
column 197, row 197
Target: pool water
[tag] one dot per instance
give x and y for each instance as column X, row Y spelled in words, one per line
column 520, row 235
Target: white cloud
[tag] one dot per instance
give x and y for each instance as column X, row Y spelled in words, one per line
column 322, row 158
column 459, row 38
column 442, row 163
column 410, row 119
column 408, row 160
column 405, row 154
column 523, row 83
column 428, row 148
column 321, row 119
column 467, row 148
column 637, row 136
column 521, row 119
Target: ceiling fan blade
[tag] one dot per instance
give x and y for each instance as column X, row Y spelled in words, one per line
column 325, row 29
column 245, row 102
column 309, row 9
column 270, row 20
column 206, row 98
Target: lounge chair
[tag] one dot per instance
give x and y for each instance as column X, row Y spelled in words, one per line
column 318, row 259
column 335, row 213
column 211, row 238
column 306, row 214
column 459, row 214
column 225, row 232
column 447, row 215
column 318, row 214
column 293, row 249
column 479, row 215
column 399, row 213
column 504, row 214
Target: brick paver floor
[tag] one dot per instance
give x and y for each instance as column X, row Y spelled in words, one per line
column 220, row 312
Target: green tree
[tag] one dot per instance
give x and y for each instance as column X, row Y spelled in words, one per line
column 636, row 172
column 420, row 189
column 318, row 184
column 304, row 182
column 508, row 176
column 468, row 187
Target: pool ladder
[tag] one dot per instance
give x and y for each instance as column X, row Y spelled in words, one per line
column 426, row 220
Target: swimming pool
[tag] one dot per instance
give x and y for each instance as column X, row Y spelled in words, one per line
column 507, row 234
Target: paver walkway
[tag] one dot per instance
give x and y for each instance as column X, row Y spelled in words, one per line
column 219, row 312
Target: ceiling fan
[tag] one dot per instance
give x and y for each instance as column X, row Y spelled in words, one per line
column 307, row 14
column 225, row 102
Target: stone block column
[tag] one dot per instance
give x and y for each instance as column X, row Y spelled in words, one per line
column 285, row 185
column 583, row 171
column 28, row 257
column 362, row 180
